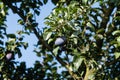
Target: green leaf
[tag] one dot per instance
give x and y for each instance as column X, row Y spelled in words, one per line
column 99, row 31
column 55, row 51
column 50, row 40
column 19, row 52
column 11, row 35
column 21, row 38
column 1, row 56
column 12, row 40
column 116, row 32
column 77, row 62
column 49, row 57
column 91, row 75
column 45, row 1
column 1, row 42
column 20, row 22
column 25, row 45
column 47, row 35
column 84, row 1
column 75, row 40
column 118, row 39
column 37, row 12
column 54, row 1
column 34, row 24
column 74, row 35
column 91, row 26
column 13, row 47
column 3, row 12
column 117, row 54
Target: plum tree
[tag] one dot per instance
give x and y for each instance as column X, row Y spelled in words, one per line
column 91, row 40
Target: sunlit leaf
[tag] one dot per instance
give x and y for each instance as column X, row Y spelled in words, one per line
column 47, row 35
column 50, row 40
column 92, row 74
column 116, row 32
column 55, row 51
column 77, row 62
column 117, row 54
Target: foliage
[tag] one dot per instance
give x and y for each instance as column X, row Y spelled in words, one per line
column 91, row 50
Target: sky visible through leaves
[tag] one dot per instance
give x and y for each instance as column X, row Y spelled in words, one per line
column 28, row 55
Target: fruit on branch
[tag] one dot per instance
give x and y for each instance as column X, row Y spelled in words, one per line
column 60, row 41
column 9, row 56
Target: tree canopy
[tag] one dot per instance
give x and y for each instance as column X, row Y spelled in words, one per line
column 82, row 38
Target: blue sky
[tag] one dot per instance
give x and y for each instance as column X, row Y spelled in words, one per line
column 28, row 55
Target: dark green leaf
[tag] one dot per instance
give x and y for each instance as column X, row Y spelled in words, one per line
column 19, row 52
column 11, row 35
column 45, row 1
